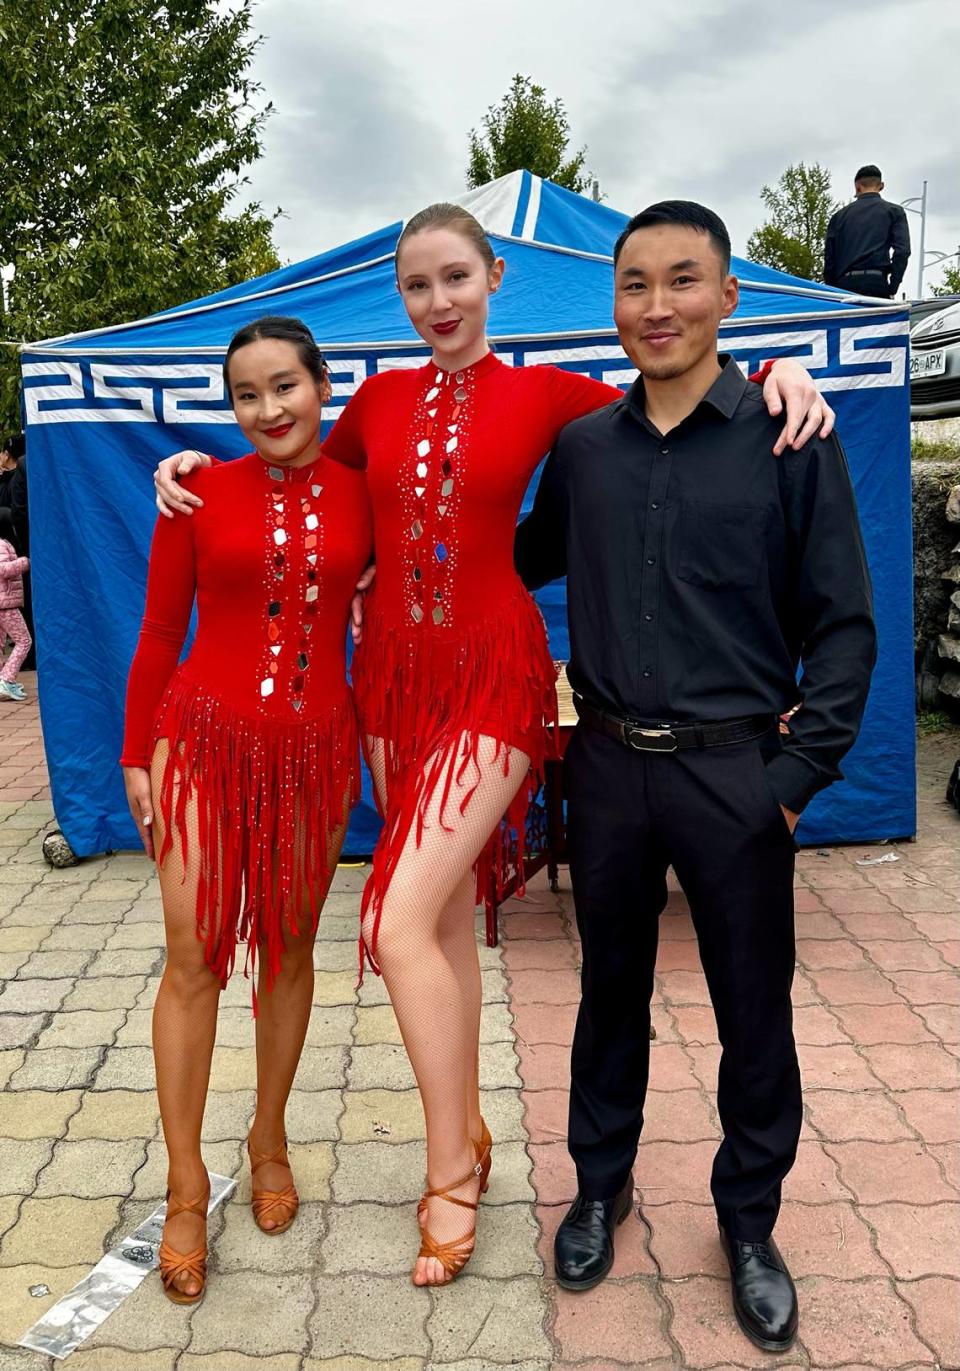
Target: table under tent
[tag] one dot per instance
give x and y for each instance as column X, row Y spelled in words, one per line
column 101, row 408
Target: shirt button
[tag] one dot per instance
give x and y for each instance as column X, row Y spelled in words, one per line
column 651, row 561
column 647, row 672
column 648, row 617
column 654, row 505
column 664, row 451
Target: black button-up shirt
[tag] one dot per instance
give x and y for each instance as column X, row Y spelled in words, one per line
column 869, row 234
column 701, row 569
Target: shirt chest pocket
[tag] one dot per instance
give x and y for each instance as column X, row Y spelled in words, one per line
column 722, row 547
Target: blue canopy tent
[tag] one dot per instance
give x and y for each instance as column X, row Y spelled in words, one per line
column 102, row 407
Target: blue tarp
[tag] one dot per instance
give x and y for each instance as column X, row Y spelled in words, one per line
column 102, row 408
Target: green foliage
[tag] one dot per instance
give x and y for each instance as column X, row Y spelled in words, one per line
column 925, row 450
column 950, row 285
column 125, row 129
column 800, row 207
column 526, row 131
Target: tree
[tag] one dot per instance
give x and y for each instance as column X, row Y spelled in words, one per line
column 950, row 285
column 800, row 207
column 526, row 131
column 125, row 129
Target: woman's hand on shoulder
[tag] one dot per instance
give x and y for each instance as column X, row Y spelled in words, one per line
column 136, row 779
column 172, row 498
column 789, row 385
column 356, row 604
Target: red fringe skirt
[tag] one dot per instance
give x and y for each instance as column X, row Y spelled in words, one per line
column 431, row 697
column 268, row 797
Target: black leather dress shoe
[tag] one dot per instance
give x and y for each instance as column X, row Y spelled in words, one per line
column 583, row 1247
column 764, row 1297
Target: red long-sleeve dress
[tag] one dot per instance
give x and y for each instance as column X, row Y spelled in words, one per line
column 259, row 717
column 454, row 647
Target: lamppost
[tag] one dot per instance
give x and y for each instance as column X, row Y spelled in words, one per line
column 922, row 211
column 7, row 272
column 935, row 258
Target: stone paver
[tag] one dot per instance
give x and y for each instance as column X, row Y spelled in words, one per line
column 871, row 1215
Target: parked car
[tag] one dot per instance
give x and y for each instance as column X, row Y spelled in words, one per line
column 935, row 359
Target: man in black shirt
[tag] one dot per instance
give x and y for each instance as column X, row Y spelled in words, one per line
column 701, row 569
column 868, row 241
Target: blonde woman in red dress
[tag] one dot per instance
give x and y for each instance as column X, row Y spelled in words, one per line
column 241, row 764
column 453, row 679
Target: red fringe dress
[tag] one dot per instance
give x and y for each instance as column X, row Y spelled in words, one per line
column 453, row 646
column 259, row 717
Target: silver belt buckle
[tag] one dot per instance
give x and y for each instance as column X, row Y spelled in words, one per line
column 646, row 735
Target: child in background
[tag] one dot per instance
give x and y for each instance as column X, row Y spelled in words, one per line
column 12, row 623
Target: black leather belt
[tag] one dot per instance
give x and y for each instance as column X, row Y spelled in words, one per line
column 672, row 737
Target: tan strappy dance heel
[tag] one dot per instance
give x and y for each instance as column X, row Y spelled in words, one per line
column 484, row 1154
column 191, row 1264
column 454, row 1255
column 281, row 1205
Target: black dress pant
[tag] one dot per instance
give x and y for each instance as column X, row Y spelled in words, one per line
column 711, row 815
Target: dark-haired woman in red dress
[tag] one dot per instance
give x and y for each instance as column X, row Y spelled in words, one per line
column 241, row 764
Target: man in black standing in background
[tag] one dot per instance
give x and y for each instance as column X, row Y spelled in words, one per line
column 868, row 241
column 701, row 570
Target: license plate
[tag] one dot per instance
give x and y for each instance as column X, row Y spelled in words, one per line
column 928, row 364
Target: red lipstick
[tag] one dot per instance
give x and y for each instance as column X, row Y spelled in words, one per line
column 279, row 432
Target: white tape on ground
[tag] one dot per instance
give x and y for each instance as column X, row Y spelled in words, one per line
column 71, row 1320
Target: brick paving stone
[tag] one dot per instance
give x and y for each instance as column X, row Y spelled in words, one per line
column 904, row 956
column 539, row 954
column 110, row 992
column 382, row 1066
column 241, row 1246
column 57, row 963
column 902, row 1066
column 864, row 1319
column 63, row 1231
column 61, row 1068
column 839, row 1115
column 892, row 927
column 36, row 1113
column 370, row 1115
column 335, row 987
column 545, row 1117
column 118, row 1359
column 814, row 1178
column 368, row 1364
column 386, row 1173
column 696, row 1024
column 683, row 1239
column 21, row 939
column 544, row 1023
column 818, row 923
column 82, row 1028
column 887, row 1023
column 831, row 954
column 927, row 987
column 678, row 955
column 487, row 1319
column 520, row 924
column 632, row 1255
column 865, row 900
column 935, row 1114
column 19, row 1030
column 831, row 1240
column 137, row 935
column 376, row 1024
column 11, row 1060
column 19, row 1310
column 90, row 911
column 839, row 1067
column 917, row 1240
column 554, row 1174
column 815, row 1026
column 312, row 1115
column 27, row 997
column 933, row 925
column 533, row 987
column 92, row 1168
column 705, row 1329
column 942, row 1020
column 667, row 1171
column 543, row 1065
column 935, row 1301
column 146, row 1321
column 619, row 1320
column 948, row 1156
column 878, row 1172
column 91, row 937
column 678, row 1116
column 684, row 987
column 116, row 1114
column 380, row 1317
column 20, row 1161
column 854, row 987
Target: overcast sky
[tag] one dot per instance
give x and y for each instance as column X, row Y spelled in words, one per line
column 701, row 99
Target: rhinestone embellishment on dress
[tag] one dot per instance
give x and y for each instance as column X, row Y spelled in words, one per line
column 294, row 543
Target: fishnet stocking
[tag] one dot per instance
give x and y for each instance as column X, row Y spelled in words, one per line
column 427, row 951
column 185, row 1023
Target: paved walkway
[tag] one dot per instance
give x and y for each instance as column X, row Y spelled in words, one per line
column 871, row 1219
